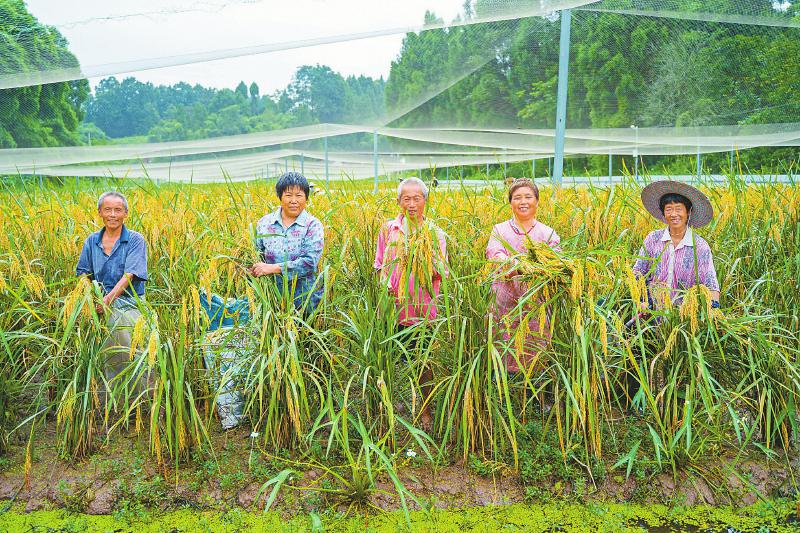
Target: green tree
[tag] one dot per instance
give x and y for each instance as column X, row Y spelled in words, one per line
column 318, row 92
column 124, row 109
column 39, row 115
column 241, row 90
column 254, row 91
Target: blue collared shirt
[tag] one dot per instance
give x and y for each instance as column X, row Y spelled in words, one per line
column 129, row 256
column 297, row 249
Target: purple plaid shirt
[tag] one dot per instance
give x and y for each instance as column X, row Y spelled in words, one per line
column 693, row 262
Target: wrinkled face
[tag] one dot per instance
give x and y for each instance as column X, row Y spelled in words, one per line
column 412, row 201
column 524, row 203
column 113, row 212
column 676, row 215
column 293, row 201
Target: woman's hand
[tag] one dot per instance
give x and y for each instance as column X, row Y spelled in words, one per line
column 264, row 269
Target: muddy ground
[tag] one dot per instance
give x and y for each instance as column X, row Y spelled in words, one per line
column 122, row 476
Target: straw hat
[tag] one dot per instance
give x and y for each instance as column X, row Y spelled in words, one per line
column 702, row 212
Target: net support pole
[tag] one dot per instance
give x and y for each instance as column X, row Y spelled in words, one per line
column 375, row 161
column 561, row 102
column 699, row 163
column 610, row 167
column 302, row 164
column 487, row 171
column 731, row 162
column 447, row 173
column 327, row 175
column 286, row 165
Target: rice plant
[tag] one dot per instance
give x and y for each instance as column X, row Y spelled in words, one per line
column 693, row 378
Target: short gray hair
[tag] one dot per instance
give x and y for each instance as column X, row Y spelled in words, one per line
column 112, row 194
column 416, row 181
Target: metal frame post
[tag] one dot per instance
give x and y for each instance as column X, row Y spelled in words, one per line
column 610, row 167
column 561, row 102
column 286, row 164
column 375, row 161
column 533, row 168
column 487, row 171
column 731, row 162
column 636, row 152
column 699, row 163
column 327, row 175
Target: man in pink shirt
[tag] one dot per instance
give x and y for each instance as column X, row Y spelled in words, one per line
column 395, row 259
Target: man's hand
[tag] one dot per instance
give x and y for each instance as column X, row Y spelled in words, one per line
column 264, row 269
column 107, row 300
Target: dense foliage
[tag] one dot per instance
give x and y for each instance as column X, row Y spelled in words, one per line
column 625, row 70
column 182, row 111
column 39, row 115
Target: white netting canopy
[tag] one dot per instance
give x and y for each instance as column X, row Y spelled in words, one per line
column 469, row 84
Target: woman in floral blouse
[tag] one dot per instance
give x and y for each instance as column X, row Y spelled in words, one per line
column 675, row 258
column 290, row 242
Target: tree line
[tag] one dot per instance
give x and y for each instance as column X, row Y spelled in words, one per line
column 182, row 111
column 625, row 70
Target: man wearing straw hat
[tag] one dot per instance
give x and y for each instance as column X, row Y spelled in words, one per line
column 675, row 258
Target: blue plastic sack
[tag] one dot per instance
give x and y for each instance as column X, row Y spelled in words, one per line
column 225, row 313
column 223, row 349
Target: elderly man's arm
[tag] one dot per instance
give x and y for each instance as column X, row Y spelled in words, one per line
column 84, row 267
column 380, row 254
column 118, row 289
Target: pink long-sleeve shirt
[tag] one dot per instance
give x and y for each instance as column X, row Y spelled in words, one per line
column 419, row 304
column 509, row 239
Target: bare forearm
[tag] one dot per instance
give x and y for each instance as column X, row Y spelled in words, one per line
column 119, row 288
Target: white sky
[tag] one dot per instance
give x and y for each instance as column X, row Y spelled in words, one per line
column 111, row 31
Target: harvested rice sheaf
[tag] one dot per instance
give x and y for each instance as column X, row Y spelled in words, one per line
column 417, row 258
column 544, row 266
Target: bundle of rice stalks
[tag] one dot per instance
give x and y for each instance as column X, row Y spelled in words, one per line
column 418, row 258
column 546, row 270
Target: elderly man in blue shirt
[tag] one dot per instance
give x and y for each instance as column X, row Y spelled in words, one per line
column 116, row 258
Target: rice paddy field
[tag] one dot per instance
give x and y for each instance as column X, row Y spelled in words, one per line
column 333, row 439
